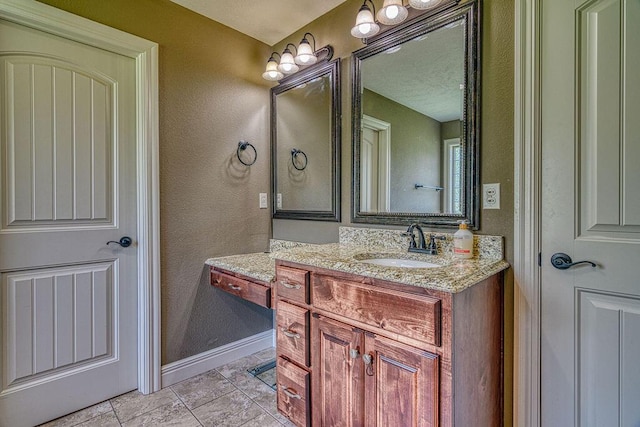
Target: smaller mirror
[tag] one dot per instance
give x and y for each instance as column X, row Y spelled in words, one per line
column 305, row 144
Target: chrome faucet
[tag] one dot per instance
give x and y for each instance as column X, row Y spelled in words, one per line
column 421, row 246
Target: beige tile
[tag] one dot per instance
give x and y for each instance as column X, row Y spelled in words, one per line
column 269, row 404
column 240, row 365
column 133, row 404
column 262, row 420
column 233, row 409
column 105, row 420
column 171, row 414
column 266, row 354
column 203, row 388
column 81, row 416
column 250, row 385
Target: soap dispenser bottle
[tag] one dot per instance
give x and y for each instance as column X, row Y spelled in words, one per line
column 463, row 241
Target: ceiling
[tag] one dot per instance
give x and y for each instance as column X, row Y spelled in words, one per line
column 269, row 21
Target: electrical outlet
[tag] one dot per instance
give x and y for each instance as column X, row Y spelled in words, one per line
column 279, row 201
column 263, row 200
column 491, row 196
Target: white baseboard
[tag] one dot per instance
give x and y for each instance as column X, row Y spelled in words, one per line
column 200, row 363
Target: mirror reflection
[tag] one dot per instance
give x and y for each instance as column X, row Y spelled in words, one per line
column 415, row 136
column 304, row 153
column 305, row 145
column 411, row 125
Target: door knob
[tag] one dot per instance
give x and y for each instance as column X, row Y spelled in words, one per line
column 563, row 261
column 125, row 242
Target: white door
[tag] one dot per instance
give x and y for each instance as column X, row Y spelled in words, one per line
column 375, row 168
column 590, row 343
column 67, row 177
column 369, row 170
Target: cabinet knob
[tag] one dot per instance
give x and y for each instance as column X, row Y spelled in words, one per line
column 354, row 353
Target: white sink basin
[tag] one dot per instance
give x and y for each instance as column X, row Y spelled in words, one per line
column 401, row 263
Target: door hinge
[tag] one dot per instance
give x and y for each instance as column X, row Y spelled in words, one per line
column 539, row 259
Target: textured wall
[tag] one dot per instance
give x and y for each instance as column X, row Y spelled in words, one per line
column 416, row 151
column 211, row 96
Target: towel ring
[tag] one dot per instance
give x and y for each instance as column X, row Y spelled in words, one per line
column 294, row 155
column 242, row 145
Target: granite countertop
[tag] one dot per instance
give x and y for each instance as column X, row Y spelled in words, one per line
column 259, row 266
column 455, row 275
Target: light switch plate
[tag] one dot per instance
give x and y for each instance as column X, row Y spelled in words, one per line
column 491, row 196
column 263, row 200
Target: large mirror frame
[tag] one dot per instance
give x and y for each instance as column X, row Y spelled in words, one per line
column 470, row 135
column 321, row 69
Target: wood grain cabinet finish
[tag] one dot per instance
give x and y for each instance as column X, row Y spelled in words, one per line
column 293, row 392
column 388, row 354
column 250, row 290
column 292, row 332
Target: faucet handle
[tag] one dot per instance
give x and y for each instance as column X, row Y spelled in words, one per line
column 412, row 238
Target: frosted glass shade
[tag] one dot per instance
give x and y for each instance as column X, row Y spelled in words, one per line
column 424, row 4
column 271, row 73
column 392, row 12
column 305, row 54
column 365, row 24
column 287, row 63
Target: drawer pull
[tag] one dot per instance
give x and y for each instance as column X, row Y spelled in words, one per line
column 290, row 393
column 368, row 362
column 234, row 287
column 290, row 334
column 290, row 286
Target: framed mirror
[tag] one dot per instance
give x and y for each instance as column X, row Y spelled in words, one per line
column 305, row 144
column 415, row 120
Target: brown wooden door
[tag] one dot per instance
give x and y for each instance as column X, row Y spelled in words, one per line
column 337, row 380
column 401, row 385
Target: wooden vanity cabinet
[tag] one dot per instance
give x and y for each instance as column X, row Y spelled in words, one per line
column 241, row 286
column 387, row 354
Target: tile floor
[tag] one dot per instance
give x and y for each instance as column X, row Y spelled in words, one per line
column 226, row 396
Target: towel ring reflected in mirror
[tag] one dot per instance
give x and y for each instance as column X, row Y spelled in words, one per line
column 294, row 156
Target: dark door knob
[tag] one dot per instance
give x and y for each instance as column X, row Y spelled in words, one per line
column 563, row 261
column 125, row 242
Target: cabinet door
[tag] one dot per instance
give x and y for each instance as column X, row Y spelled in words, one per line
column 401, row 385
column 337, row 380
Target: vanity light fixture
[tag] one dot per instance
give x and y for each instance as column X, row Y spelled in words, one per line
column 287, row 62
column 393, row 12
column 271, row 73
column 306, row 55
column 366, row 25
column 424, row 4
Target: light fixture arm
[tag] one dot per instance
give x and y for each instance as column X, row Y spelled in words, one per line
column 287, row 48
column 304, row 38
column 373, row 6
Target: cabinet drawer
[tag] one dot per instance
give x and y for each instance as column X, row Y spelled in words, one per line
column 293, row 284
column 250, row 291
column 292, row 332
column 293, row 392
column 413, row 316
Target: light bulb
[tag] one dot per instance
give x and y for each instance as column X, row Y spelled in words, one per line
column 365, row 24
column 393, row 12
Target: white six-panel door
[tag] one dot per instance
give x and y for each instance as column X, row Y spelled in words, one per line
column 68, row 300
column 591, row 211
